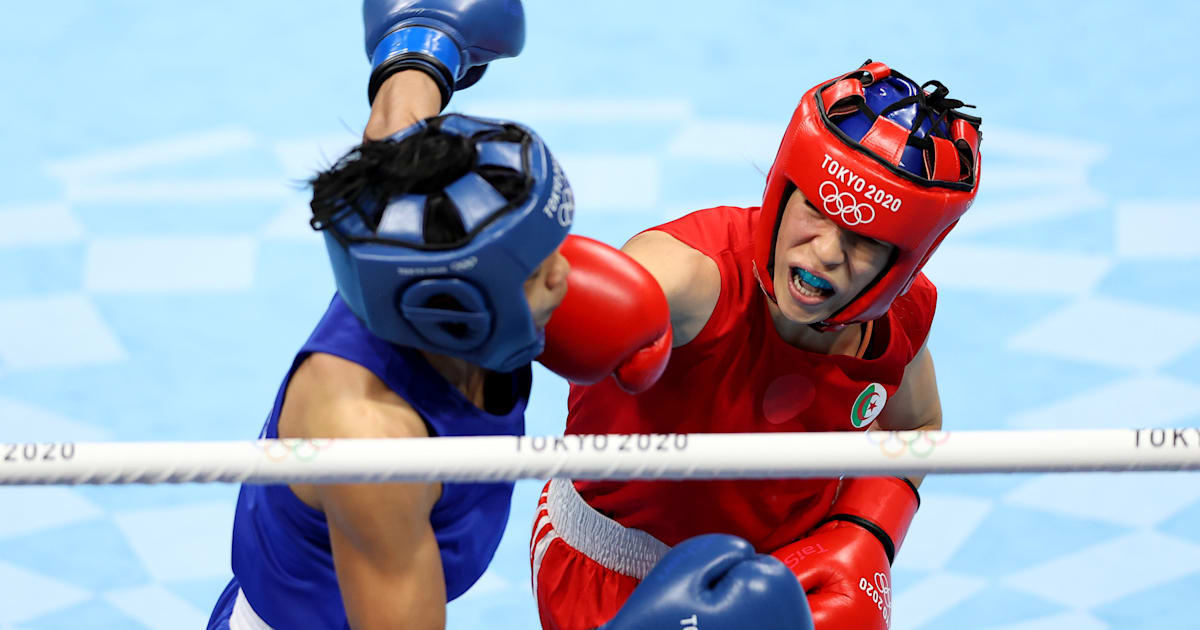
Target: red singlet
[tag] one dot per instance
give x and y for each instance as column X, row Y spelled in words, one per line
column 739, row 376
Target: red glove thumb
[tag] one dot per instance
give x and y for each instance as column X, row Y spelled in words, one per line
column 613, row 320
column 643, row 367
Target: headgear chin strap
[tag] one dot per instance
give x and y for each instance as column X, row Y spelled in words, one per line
column 882, row 158
column 464, row 299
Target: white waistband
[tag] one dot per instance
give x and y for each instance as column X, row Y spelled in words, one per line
column 244, row 617
column 626, row 550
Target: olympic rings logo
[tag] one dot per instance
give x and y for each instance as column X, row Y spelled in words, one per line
column 880, row 592
column 884, row 587
column 845, row 205
column 302, row 450
column 894, row 444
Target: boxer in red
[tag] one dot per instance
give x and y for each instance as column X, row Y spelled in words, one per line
column 807, row 314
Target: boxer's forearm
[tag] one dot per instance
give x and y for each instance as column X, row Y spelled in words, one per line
column 916, row 405
column 404, row 98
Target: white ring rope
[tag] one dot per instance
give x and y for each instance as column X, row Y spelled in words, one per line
column 646, row 456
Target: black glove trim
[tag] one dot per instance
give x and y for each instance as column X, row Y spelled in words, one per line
column 912, row 486
column 412, row 61
column 889, row 546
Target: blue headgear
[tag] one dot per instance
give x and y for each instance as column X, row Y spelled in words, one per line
column 397, row 283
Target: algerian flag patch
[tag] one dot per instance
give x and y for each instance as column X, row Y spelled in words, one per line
column 868, row 405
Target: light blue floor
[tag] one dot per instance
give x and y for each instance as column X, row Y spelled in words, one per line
column 157, row 272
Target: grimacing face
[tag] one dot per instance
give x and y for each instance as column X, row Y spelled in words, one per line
column 819, row 265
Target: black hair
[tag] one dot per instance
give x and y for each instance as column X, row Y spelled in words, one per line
column 423, row 163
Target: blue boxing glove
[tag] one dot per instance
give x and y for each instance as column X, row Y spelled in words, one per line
column 715, row 582
column 450, row 40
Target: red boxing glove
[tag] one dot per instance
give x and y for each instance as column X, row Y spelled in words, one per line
column 845, row 563
column 613, row 320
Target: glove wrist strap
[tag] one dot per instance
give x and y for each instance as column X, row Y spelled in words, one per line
column 416, row 47
column 884, row 506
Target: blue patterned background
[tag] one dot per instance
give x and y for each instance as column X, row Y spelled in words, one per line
column 157, row 272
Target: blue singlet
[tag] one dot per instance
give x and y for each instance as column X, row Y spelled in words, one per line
column 281, row 554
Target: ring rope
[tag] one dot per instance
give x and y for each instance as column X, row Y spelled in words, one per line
column 600, row 456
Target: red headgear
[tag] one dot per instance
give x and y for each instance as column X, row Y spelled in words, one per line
column 869, row 184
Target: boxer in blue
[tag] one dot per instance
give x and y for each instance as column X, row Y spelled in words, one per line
column 444, row 244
